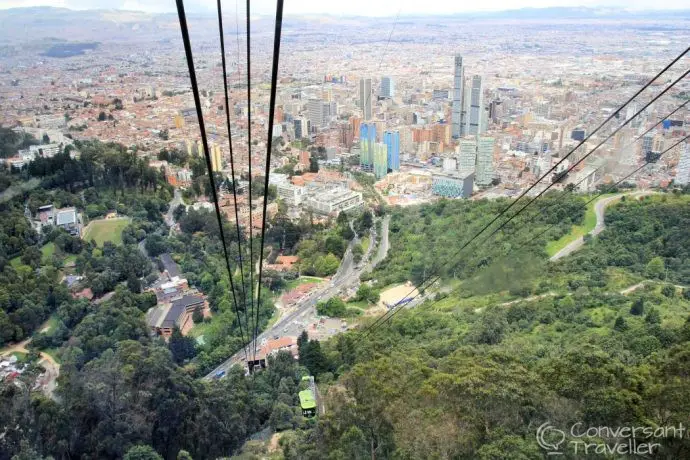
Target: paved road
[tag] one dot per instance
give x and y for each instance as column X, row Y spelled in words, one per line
column 599, row 210
column 174, row 203
column 347, row 277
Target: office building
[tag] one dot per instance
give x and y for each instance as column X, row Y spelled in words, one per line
column 292, row 195
column 315, row 112
column 387, row 87
column 485, row 161
column 332, row 202
column 300, row 128
column 452, row 185
column 367, row 138
column 683, row 168
column 392, row 141
column 474, row 107
column 647, row 141
column 380, row 160
column 457, row 119
column 365, row 97
column 467, row 154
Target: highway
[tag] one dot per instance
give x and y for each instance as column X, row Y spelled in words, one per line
column 347, row 277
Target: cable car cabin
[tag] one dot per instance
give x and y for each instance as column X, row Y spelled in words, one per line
column 307, row 402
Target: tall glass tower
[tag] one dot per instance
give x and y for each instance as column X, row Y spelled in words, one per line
column 392, row 141
column 457, row 116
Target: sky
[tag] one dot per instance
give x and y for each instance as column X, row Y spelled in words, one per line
column 347, row 7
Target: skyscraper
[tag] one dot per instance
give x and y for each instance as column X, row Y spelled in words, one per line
column 392, row 141
column 387, row 87
column 485, row 161
column 380, row 159
column 315, row 112
column 467, row 155
column 365, row 97
column 457, row 118
column 474, row 107
column 300, row 128
column 683, row 168
column 367, row 138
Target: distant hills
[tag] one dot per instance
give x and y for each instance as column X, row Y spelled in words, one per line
column 36, row 25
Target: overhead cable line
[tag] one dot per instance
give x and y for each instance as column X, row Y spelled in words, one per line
column 610, row 189
column 629, row 144
column 197, row 102
column 434, row 277
column 530, row 240
column 249, row 150
column 232, row 161
column 271, row 117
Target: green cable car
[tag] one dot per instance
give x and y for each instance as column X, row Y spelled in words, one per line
column 307, row 398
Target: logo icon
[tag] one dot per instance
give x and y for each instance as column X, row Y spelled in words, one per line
column 550, row 438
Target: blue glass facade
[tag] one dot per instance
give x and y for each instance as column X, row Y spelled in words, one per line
column 392, row 141
column 367, row 139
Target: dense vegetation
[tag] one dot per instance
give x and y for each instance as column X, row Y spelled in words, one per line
column 469, row 377
column 510, row 342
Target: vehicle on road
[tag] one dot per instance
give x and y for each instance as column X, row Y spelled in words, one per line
column 219, row 375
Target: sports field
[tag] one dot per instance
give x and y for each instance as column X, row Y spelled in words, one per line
column 103, row 230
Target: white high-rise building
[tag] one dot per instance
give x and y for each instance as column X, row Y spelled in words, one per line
column 467, row 155
column 683, row 168
column 315, row 112
column 474, row 107
column 485, row 161
column 365, row 97
column 457, row 119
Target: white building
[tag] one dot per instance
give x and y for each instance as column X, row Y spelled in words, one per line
column 334, row 201
column 315, row 113
column 485, row 161
column 467, row 154
column 683, row 168
column 292, row 195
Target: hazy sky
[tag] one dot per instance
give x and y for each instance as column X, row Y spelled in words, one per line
column 348, row 7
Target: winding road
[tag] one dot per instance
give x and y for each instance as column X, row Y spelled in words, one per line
column 347, row 276
column 599, row 210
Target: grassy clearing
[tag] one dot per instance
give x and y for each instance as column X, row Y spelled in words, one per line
column 16, row 262
column 292, row 284
column 199, row 329
column 588, row 224
column 21, row 356
column 48, row 250
column 49, row 325
column 103, row 230
column 366, row 241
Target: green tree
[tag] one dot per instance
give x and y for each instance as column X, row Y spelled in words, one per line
column 669, row 290
column 637, row 308
column 184, row 455
column 197, row 315
column 142, row 453
column 620, row 325
column 313, row 163
column 181, row 347
column 653, row 316
column 655, row 268
column 281, row 417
